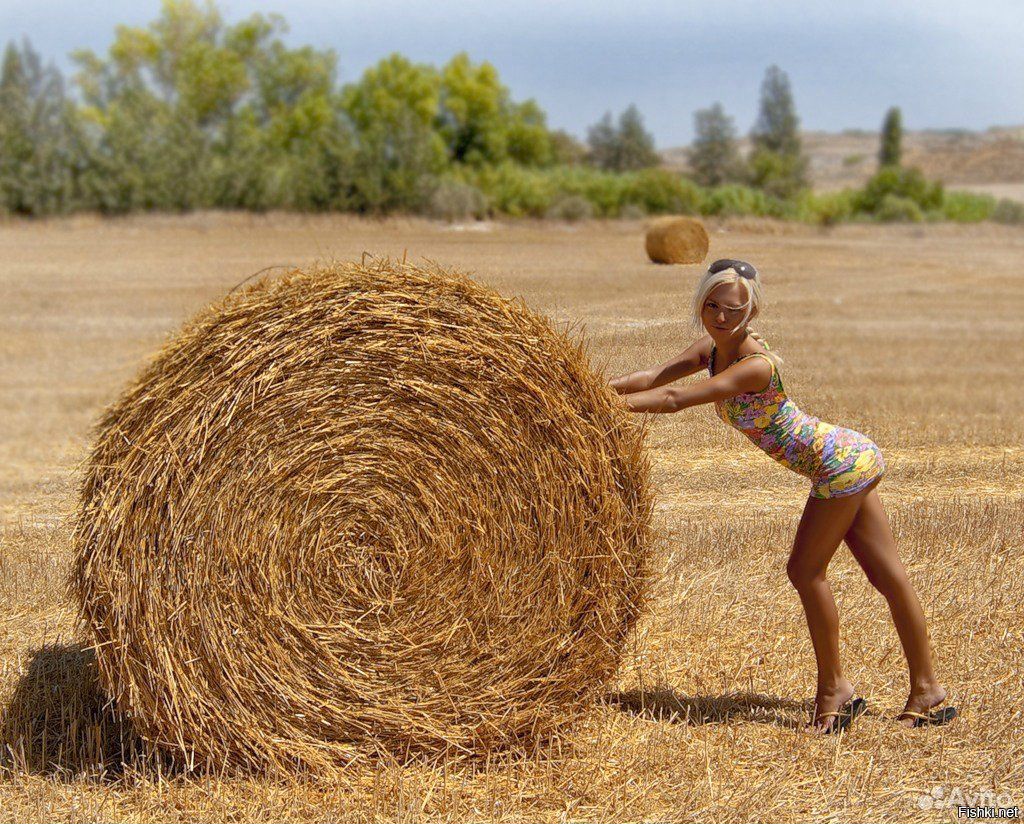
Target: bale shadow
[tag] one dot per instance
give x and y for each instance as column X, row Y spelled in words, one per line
column 60, row 723
column 665, row 704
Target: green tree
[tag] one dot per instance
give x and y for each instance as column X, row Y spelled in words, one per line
column 636, row 144
column 713, row 155
column 602, row 142
column 394, row 110
column 566, row 150
column 777, row 163
column 38, row 160
column 624, row 147
column 190, row 112
column 481, row 124
column 890, row 150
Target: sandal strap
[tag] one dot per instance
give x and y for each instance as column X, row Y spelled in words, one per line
column 909, row 714
column 846, row 710
column 933, row 712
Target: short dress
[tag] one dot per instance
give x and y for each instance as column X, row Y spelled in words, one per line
column 838, row 461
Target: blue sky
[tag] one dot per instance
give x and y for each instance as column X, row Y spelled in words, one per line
column 947, row 64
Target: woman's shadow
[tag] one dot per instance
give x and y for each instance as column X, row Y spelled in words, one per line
column 665, row 704
column 59, row 722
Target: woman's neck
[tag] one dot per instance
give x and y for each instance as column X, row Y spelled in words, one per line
column 729, row 351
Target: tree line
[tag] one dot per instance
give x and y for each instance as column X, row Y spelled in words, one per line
column 191, row 112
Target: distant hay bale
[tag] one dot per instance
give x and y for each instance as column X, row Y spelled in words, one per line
column 677, row 240
column 362, row 509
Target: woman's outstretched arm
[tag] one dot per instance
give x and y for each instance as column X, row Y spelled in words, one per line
column 683, row 364
column 750, row 375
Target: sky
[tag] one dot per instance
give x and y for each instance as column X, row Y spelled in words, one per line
column 946, row 63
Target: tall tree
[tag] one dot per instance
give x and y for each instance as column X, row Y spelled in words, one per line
column 636, row 144
column 37, row 150
column 624, row 146
column 713, row 155
column 481, row 124
column 602, row 140
column 190, row 112
column 777, row 163
column 394, row 110
column 777, row 126
column 890, row 150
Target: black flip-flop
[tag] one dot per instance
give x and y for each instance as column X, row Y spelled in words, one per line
column 844, row 716
column 933, row 717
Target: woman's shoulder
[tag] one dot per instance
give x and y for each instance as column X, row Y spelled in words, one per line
column 704, row 346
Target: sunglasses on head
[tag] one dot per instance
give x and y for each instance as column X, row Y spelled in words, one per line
column 743, row 269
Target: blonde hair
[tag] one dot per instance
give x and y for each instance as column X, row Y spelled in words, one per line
column 754, row 302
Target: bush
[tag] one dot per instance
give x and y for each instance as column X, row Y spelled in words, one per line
column 778, row 175
column 734, row 200
column 454, row 200
column 827, row 208
column 907, row 184
column 658, row 191
column 1008, row 211
column 967, row 207
column 571, row 208
column 896, row 209
column 632, row 211
column 604, row 190
column 514, row 190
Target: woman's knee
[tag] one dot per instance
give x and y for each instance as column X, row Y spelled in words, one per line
column 888, row 581
column 801, row 574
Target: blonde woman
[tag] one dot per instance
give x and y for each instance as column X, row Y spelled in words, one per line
column 844, row 468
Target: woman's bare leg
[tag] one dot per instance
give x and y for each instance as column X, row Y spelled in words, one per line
column 871, row 541
column 822, row 527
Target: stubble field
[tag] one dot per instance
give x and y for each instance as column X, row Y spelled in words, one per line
column 910, row 335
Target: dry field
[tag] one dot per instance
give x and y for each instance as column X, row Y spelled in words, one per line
column 911, row 335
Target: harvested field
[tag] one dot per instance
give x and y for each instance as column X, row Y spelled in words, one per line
column 909, row 334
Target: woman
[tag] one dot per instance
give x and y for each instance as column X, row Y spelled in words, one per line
column 844, row 467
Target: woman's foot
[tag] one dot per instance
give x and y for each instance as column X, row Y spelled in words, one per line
column 920, row 701
column 829, row 699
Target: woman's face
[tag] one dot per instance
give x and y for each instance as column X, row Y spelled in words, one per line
column 723, row 310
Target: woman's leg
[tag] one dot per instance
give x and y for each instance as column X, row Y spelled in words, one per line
column 822, row 527
column 871, row 541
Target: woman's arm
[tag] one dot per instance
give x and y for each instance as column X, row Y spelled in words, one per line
column 750, row 375
column 683, row 364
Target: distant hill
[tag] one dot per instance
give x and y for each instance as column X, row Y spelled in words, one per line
column 992, row 160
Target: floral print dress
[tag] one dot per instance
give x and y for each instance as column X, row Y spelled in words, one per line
column 838, row 461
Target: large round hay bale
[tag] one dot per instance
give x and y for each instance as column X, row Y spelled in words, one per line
column 357, row 509
column 677, row 240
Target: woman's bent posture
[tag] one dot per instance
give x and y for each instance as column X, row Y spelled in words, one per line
column 844, row 468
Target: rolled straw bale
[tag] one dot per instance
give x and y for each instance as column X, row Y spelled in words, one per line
column 677, row 240
column 364, row 508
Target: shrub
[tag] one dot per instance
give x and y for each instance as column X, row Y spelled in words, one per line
column 571, row 208
column 967, row 207
column 632, row 211
column 826, row 208
column 1008, row 211
column 778, row 175
column 734, row 200
column 659, row 191
column 909, row 184
column 454, row 200
column 603, row 190
column 896, row 209
column 514, row 190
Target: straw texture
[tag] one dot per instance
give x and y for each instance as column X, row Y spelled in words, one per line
column 677, row 240
column 364, row 508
